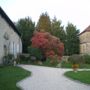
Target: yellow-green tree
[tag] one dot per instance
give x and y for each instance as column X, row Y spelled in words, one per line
column 44, row 23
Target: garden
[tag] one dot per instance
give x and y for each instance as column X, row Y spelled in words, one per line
column 45, row 47
column 42, row 53
column 83, row 61
column 45, row 50
column 77, row 62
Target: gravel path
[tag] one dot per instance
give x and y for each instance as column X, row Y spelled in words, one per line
column 46, row 78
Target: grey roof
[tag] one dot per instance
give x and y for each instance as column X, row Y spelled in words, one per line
column 86, row 30
column 7, row 19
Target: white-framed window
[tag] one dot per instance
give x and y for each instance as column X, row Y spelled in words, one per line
column 18, row 48
column 11, row 47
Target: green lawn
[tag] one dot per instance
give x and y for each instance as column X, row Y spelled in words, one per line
column 10, row 75
column 82, row 76
column 69, row 65
column 66, row 65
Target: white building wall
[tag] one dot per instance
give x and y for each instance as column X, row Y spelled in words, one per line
column 14, row 43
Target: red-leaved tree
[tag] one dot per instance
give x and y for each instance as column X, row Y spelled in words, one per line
column 50, row 45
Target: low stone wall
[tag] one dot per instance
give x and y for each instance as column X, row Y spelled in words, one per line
column 65, row 58
column 25, row 54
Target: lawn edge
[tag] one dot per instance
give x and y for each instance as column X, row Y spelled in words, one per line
column 17, row 83
column 77, row 81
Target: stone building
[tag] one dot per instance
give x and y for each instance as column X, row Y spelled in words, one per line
column 10, row 41
column 85, row 41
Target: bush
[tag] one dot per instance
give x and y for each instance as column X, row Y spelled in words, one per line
column 35, row 52
column 48, row 63
column 8, row 60
column 23, row 58
column 86, row 59
column 76, row 59
column 48, row 44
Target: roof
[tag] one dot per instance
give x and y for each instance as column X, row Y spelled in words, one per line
column 86, row 30
column 7, row 19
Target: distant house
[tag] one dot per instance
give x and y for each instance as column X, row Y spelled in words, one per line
column 10, row 41
column 85, row 41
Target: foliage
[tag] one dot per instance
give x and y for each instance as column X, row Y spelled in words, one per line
column 48, row 44
column 58, row 29
column 35, row 52
column 72, row 40
column 9, row 76
column 44, row 23
column 82, row 60
column 23, row 59
column 86, row 59
column 8, row 60
column 69, row 65
column 69, row 36
column 82, row 76
column 76, row 59
column 49, row 64
column 26, row 27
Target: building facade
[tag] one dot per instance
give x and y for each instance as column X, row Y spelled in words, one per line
column 10, row 41
column 85, row 41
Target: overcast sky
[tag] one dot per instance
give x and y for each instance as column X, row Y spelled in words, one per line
column 74, row 11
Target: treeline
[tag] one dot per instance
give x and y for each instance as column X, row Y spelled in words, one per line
column 69, row 35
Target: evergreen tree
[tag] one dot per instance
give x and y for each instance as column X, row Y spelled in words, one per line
column 72, row 39
column 58, row 29
column 26, row 27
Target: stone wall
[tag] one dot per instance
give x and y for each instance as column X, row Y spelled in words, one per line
column 85, row 43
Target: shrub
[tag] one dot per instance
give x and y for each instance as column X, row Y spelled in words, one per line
column 49, row 44
column 76, row 59
column 48, row 63
column 86, row 59
column 23, row 58
column 51, row 62
column 35, row 52
column 8, row 60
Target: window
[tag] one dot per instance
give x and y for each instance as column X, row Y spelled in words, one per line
column 6, row 36
column 5, row 50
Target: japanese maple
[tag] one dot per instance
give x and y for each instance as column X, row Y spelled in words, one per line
column 49, row 45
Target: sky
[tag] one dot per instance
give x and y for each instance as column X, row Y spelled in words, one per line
column 73, row 11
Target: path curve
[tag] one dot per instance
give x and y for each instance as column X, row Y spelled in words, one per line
column 46, row 78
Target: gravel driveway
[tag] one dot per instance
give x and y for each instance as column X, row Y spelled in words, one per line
column 46, row 78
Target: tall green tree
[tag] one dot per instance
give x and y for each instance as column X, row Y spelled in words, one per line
column 26, row 27
column 72, row 39
column 58, row 29
column 44, row 23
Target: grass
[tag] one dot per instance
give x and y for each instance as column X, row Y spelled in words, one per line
column 82, row 76
column 10, row 75
column 69, row 65
column 49, row 64
column 66, row 65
